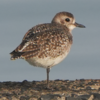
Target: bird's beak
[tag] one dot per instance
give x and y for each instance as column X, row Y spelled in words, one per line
column 79, row 25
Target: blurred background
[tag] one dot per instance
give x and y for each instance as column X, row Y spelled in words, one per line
column 18, row 16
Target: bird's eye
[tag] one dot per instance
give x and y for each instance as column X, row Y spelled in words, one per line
column 67, row 19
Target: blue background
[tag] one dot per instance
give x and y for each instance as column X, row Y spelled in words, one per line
column 18, row 16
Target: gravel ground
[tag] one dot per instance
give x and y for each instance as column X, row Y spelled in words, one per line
column 59, row 90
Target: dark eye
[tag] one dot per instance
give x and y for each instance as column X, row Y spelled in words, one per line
column 67, row 19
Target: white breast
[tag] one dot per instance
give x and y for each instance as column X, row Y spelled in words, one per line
column 45, row 62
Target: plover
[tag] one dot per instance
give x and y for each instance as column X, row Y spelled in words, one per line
column 46, row 45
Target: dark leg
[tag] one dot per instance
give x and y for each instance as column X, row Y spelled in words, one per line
column 48, row 70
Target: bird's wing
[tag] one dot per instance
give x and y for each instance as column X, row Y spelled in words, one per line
column 43, row 43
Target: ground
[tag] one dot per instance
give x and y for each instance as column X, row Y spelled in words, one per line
column 82, row 89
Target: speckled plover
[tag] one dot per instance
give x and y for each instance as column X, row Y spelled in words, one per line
column 46, row 45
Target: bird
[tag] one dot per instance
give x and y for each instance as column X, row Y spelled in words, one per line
column 45, row 45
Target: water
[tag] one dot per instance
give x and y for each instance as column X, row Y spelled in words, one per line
column 16, row 17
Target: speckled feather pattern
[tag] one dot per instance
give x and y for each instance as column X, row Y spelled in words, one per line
column 46, row 45
column 44, row 40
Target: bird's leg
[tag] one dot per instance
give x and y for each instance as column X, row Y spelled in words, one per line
column 48, row 70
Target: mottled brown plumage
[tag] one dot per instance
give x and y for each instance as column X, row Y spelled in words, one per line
column 44, row 40
column 46, row 45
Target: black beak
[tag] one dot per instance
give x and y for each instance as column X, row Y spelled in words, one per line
column 79, row 25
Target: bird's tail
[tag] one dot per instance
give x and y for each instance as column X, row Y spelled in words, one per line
column 15, row 55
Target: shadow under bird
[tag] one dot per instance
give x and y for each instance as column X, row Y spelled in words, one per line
column 46, row 45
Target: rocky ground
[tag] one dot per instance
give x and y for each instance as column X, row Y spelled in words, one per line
column 59, row 90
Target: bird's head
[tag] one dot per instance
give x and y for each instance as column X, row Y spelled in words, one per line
column 67, row 19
